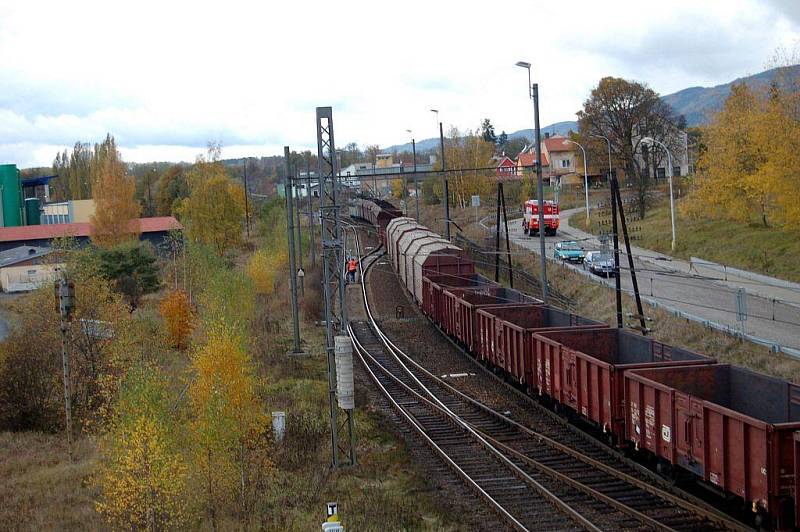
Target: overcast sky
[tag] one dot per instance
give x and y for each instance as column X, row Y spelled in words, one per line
column 164, row 77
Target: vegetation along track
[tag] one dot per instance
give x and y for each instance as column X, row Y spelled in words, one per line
column 533, row 480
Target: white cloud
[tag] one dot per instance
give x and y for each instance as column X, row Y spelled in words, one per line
column 164, row 77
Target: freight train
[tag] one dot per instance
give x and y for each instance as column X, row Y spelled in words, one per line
column 736, row 430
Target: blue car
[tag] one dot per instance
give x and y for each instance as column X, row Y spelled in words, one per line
column 568, row 250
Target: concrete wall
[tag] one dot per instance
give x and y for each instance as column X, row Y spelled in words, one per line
column 81, row 210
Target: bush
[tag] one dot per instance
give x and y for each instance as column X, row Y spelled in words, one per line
column 312, row 304
column 178, row 316
column 31, row 387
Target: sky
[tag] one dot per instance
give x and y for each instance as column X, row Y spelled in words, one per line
column 167, row 77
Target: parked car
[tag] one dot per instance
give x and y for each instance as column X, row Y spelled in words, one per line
column 599, row 263
column 568, row 250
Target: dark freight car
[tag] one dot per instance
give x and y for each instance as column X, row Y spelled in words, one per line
column 730, row 426
column 434, row 286
column 583, row 370
column 505, row 335
column 462, row 306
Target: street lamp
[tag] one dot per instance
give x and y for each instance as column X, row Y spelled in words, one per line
column 671, row 197
column 414, row 155
column 585, row 179
column 533, row 94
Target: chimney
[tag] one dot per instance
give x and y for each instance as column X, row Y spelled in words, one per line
column 547, row 135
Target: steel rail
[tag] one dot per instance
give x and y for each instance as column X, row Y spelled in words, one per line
column 712, row 515
column 457, row 421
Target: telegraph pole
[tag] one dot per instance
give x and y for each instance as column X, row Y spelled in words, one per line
column 416, row 187
column 292, row 268
column 615, row 239
column 65, row 299
column 246, row 206
column 310, row 213
column 539, row 186
column 444, row 187
column 300, row 237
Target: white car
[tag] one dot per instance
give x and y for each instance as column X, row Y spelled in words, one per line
column 599, row 263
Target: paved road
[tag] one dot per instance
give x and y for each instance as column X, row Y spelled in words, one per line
column 669, row 283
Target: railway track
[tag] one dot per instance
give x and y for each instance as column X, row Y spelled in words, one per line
column 534, row 481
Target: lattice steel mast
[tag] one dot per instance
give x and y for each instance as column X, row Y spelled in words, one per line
column 333, row 281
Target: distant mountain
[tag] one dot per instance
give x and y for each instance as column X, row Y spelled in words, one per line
column 697, row 104
column 432, row 144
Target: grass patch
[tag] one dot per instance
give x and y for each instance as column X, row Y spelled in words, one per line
column 41, row 489
column 768, row 250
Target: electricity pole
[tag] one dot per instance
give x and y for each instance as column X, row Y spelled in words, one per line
column 65, row 298
column 310, row 213
column 444, row 187
column 292, row 269
column 299, row 236
column 246, row 206
column 533, row 93
column 416, row 186
column 343, row 450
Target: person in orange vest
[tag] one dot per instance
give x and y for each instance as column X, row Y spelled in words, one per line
column 352, row 265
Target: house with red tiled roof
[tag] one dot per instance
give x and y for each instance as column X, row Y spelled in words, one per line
column 505, row 167
column 153, row 230
column 561, row 153
column 526, row 162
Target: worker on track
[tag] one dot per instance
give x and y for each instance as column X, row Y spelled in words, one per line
column 352, row 265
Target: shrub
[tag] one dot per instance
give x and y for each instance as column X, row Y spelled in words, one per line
column 178, row 316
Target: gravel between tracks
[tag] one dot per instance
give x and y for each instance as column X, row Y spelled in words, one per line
column 413, row 333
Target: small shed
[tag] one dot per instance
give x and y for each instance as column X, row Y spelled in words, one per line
column 24, row 268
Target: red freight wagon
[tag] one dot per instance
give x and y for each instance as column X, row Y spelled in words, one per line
column 505, row 335
column 462, row 307
column 583, row 369
column 730, row 426
column 433, row 287
column 448, row 312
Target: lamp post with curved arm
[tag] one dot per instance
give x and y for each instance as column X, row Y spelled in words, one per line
column 671, row 197
column 585, row 179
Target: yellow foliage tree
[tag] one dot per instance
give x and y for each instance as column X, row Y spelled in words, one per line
column 177, row 314
column 142, row 477
column 746, row 173
column 214, row 210
column 229, row 425
column 262, row 268
column 115, row 204
column 467, row 150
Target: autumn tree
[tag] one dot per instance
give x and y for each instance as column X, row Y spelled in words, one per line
column 745, row 173
column 177, row 314
column 102, row 340
column 74, row 170
column 172, row 188
column 214, row 210
column 467, row 150
column 626, row 112
column 113, row 190
column 143, row 476
column 229, row 428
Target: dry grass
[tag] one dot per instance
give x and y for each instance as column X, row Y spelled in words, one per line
column 40, row 489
